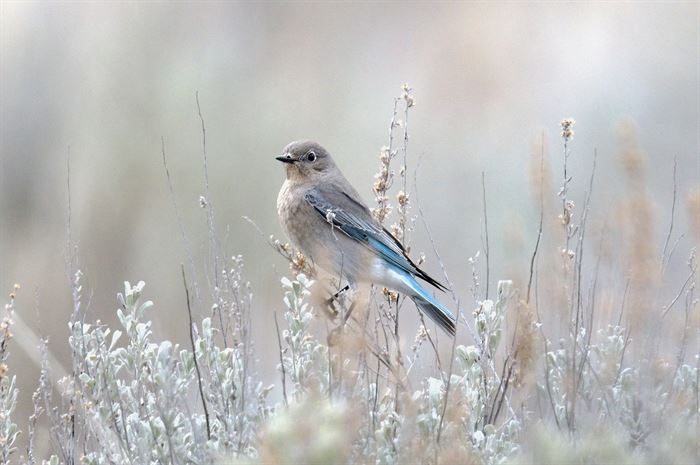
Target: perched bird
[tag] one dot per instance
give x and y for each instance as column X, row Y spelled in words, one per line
column 326, row 219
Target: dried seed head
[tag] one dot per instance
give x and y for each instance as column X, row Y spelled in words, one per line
column 385, row 155
column 421, row 336
column 390, row 295
column 406, row 95
column 567, row 131
column 402, row 197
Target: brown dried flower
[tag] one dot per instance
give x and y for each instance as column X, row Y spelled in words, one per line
column 567, row 131
column 390, row 295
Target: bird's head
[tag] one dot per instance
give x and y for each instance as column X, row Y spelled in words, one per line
column 306, row 161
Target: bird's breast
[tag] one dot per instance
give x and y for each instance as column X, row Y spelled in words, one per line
column 295, row 215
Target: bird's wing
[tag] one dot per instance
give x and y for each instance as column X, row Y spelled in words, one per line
column 355, row 220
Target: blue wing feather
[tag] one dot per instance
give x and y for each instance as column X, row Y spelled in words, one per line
column 356, row 221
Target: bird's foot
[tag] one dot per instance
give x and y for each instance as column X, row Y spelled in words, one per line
column 337, row 294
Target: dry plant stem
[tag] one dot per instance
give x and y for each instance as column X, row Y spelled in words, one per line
column 31, row 427
column 74, row 275
column 398, row 353
column 476, row 340
column 502, row 390
column 210, row 211
column 578, row 370
column 689, row 304
column 665, row 258
column 404, row 172
column 455, row 299
column 382, row 199
column 178, row 218
column 284, row 372
column 545, row 342
column 194, row 352
column 673, row 247
column 449, row 378
column 533, row 273
column 566, row 220
column 566, row 216
column 539, row 229
column 70, row 255
column 691, row 275
column 432, row 343
column 73, row 402
column 624, row 299
column 283, row 250
column 381, row 357
column 402, row 229
column 376, row 385
column 459, row 312
column 214, row 247
column 534, row 258
column 486, row 233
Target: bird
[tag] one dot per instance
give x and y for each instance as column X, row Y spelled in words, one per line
column 325, row 218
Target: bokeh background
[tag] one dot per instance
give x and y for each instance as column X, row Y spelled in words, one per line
column 100, row 84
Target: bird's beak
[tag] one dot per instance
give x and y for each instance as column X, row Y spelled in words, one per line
column 286, row 158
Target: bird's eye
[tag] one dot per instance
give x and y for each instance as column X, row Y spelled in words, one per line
column 311, row 156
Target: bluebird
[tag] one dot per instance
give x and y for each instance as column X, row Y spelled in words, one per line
column 326, row 219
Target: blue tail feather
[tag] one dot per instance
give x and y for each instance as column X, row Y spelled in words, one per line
column 430, row 305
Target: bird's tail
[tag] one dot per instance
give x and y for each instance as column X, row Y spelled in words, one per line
column 430, row 306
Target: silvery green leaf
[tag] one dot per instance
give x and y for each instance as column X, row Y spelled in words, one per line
column 145, row 306
column 115, row 337
column 478, row 438
column 435, row 388
column 120, row 300
column 164, row 351
column 206, row 328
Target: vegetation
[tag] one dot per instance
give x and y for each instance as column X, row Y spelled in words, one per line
column 554, row 365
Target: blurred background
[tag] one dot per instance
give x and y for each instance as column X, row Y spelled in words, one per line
column 101, row 84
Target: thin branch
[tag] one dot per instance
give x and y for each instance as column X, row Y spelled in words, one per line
column 206, row 203
column 674, row 247
column 624, row 300
column 503, row 392
column 69, row 239
column 693, row 268
column 546, row 360
column 486, row 232
column 539, row 229
column 178, row 218
column 194, row 352
column 449, row 378
column 284, row 371
column 450, row 286
column 664, row 258
column 432, row 342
